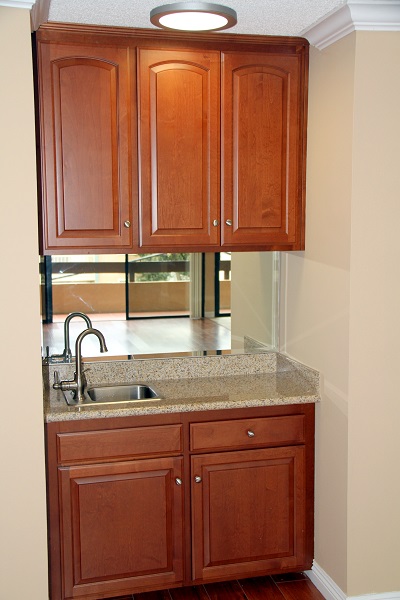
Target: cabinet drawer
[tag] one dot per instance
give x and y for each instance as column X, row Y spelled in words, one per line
column 115, row 444
column 268, row 431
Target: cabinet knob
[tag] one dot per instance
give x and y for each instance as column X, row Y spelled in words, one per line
column 178, row 481
column 127, row 224
column 251, row 433
column 197, row 479
column 229, row 222
column 215, row 222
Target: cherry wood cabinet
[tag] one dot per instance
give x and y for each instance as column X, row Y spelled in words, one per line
column 85, row 106
column 249, row 503
column 262, row 132
column 260, row 106
column 115, row 507
column 121, row 521
column 158, row 141
column 248, row 512
column 159, row 501
column 179, row 147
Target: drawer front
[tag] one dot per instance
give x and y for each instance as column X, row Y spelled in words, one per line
column 115, row 444
column 243, row 433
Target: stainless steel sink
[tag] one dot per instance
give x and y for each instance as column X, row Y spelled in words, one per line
column 114, row 394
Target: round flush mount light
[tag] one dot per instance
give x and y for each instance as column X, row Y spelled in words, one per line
column 193, row 16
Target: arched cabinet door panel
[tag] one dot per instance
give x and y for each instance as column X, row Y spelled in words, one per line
column 178, row 147
column 262, row 125
column 86, row 147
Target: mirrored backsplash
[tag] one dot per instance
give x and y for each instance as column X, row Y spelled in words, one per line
column 165, row 345
column 180, row 305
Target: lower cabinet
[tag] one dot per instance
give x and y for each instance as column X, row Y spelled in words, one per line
column 145, row 503
column 248, row 512
column 121, row 522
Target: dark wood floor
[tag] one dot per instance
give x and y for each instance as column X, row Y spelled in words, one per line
column 143, row 336
column 293, row 586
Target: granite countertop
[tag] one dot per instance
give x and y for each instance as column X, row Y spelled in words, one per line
column 189, row 384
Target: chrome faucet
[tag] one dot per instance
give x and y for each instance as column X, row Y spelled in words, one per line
column 78, row 383
column 67, row 354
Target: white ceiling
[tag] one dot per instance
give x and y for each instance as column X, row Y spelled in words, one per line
column 261, row 17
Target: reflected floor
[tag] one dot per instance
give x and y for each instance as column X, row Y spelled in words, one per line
column 142, row 336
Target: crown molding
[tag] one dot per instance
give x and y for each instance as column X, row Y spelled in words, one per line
column 39, row 10
column 18, row 3
column 356, row 15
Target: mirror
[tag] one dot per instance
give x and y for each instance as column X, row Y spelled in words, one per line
column 175, row 304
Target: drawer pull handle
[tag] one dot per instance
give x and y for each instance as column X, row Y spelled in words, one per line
column 178, row 481
column 127, row 224
column 197, row 479
column 250, row 433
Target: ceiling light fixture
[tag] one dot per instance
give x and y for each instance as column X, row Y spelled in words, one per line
column 193, row 16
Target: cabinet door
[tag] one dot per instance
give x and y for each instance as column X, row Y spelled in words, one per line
column 263, row 150
column 121, row 527
column 86, row 149
column 178, row 147
column 248, row 512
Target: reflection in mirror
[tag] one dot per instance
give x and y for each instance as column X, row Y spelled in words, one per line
column 162, row 303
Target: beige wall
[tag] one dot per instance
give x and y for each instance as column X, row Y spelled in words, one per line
column 374, row 405
column 23, row 551
column 315, row 325
column 341, row 306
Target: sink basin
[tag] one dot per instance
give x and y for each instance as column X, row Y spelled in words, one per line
column 114, row 394
column 122, row 393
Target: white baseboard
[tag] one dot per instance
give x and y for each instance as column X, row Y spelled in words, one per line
column 331, row 591
column 325, row 584
column 384, row 596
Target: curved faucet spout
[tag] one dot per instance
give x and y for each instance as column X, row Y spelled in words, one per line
column 78, row 357
column 67, row 350
column 77, row 385
column 67, row 354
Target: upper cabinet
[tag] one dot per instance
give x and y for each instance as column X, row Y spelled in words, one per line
column 86, row 148
column 152, row 141
column 262, row 198
column 179, row 133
